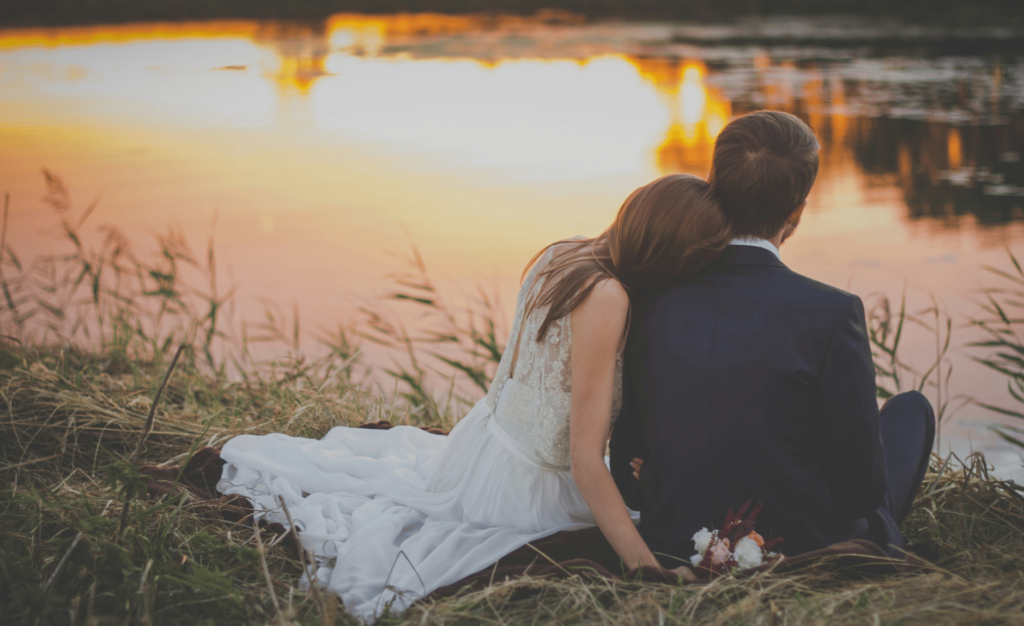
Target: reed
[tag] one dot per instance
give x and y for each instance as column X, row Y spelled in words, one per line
column 88, row 338
column 1003, row 345
column 887, row 329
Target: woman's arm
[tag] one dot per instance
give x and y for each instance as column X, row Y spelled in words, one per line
column 598, row 326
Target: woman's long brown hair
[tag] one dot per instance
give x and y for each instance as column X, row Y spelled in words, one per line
column 665, row 232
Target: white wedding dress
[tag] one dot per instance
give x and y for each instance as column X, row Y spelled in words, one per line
column 392, row 515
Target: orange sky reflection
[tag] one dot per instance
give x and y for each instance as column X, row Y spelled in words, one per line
column 318, row 150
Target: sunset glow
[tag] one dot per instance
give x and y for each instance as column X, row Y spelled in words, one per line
column 322, row 151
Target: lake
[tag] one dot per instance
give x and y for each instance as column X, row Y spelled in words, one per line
column 317, row 154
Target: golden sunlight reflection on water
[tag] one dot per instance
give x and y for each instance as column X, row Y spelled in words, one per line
column 322, row 149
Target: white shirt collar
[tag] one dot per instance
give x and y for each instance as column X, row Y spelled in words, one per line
column 757, row 242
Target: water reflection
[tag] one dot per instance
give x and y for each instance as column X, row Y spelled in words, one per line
column 947, row 132
column 946, row 172
column 486, row 138
column 697, row 113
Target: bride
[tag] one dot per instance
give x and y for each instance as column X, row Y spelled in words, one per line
column 393, row 514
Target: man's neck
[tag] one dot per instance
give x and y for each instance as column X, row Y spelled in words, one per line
column 758, row 242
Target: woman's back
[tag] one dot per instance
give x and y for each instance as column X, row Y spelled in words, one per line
column 531, row 394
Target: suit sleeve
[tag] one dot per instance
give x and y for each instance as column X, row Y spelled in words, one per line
column 628, row 439
column 626, row 444
column 851, row 451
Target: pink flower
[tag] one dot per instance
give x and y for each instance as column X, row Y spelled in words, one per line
column 720, row 552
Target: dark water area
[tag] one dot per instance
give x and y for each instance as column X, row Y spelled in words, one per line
column 987, row 185
column 315, row 151
column 940, row 117
column 64, row 12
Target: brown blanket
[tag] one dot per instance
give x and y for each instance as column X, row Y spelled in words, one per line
column 565, row 554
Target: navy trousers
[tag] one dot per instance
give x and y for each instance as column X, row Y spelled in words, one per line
column 907, row 429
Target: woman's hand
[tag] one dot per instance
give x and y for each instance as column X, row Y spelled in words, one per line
column 636, row 464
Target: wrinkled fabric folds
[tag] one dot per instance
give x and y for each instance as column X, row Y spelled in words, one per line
column 391, row 515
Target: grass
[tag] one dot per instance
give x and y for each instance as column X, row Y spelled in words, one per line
column 88, row 338
column 67, row 425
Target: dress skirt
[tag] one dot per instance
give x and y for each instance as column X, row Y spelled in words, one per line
column 391, row 515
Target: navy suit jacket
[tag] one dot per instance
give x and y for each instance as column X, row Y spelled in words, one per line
column 749, row 382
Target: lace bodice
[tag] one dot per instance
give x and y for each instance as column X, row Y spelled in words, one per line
column 538, row 405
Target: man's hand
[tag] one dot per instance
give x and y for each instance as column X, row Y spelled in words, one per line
column 635, row 464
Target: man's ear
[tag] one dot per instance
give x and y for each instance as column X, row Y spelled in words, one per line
column 792, row 222
column 794, row 217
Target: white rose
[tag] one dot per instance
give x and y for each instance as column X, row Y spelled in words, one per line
column 697, row 559
column 747, row 553
column 701, row 540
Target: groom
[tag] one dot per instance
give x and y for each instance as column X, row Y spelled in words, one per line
column 754, row 383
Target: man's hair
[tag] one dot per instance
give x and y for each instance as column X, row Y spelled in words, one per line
column 763, row 167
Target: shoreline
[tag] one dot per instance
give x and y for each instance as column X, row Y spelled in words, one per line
column 55, row 13
column 871, row 36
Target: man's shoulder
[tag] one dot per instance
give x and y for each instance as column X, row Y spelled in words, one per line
column 777, row 282
column 809, row 291
column 765, row 291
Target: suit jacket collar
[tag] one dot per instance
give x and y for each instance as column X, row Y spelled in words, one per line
column 749, row 255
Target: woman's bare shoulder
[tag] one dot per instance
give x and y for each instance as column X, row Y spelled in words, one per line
column 611, row 290
column 602, row 315
column 608, row 294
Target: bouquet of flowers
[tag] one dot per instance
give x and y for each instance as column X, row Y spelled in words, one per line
column 736, row 546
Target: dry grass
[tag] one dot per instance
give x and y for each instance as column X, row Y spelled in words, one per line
column 178, row 561
column 65, row 433
column 973, row 521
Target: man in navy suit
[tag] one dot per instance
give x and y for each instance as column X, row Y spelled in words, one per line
column 751, row 382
